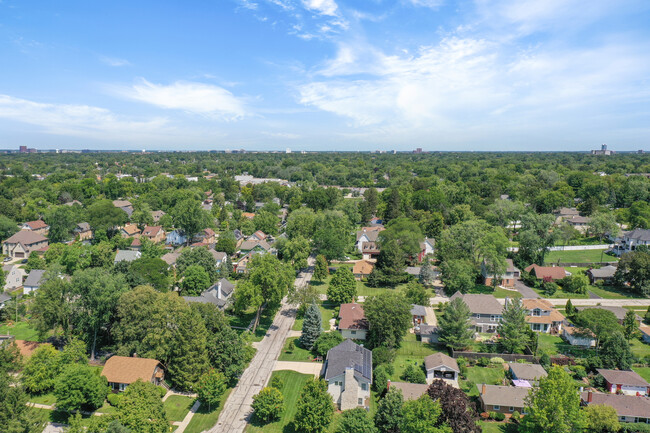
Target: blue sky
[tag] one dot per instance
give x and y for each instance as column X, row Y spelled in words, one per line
column 325, row 74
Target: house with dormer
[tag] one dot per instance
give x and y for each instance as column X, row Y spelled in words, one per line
column 367, row 234
column 348, row 373
column 37, row 226
column 542, row 316
column 155, row 234
column 486, row 311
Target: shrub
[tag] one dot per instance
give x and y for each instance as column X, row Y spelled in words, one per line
column 496, row 360
column 493, row 415
column 162, row 391
column 414, row 374
column 498, row 416
column 113, row 399
column 550, row 288
column 326, row 341
column 268, row 404
column 634, row 428
column 483, row 362
column 382, row 355
column 380, row 376
column 579, row 372
column 277, row 382
column 515, row 417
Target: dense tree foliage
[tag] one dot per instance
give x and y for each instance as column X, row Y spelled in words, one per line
column 389, row 317
column 315, row 408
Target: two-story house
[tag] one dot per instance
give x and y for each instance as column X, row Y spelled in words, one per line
column 542, row 316
column 427, row 248
column 367, row 234
column 631, row 240
column 176, row 237
column 348, row 373
column 155, row 234
column 219, row 294
column 14, row 276
column 37, row 226
column 506, row 280
column 486, row 311
column 21, row 244
column 83, row 232
column 352, row 321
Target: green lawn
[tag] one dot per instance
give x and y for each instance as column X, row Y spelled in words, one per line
column 293, row 383
column 21, row 331
column 497, row 293
column 297, row 354
column 48, row 399
column 639, row 348
column 497, row 427
column 475, row 375
column 593, row 240
column 554, row 345
column 45, row 415
column 611, row 292
column 266, row 319
column 204, row 419
column 177, row 406
column 644, row 372
column 580, row 256
column 410, row 352
column 327, row 312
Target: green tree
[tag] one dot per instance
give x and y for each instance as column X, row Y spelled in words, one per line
column 332, row 236
column 42, row 368
column 389, row 270
column 52, row 306
column 416, row 294
column 513, row 326
column 7, row 227
column 102, row 215
column 79, row 387
column 15, row 415
column 342, row 287
column 427, row 274
column 195, row 280
column 389, row 317
column 616, row 353
column 74, row 352
column 315, row 408
column 212, row 384
column 601, row 419
column 301, row 223
column 405, row 233
column 34, row 261
column 421, row 416
column 414, row 374
column 389, row 412
column 141, row 409
column 227, row 243
column 200, row 256
column 554, row 406
column 602, row 224
column 630, row 325
column 368, row 207
column 62, row 220
column 576, row 283
column 294, row 251
column 312, row 327
column 190, row 217
column 569, row 309
column 393, row 205
column 455, row 327
column 356, row 421
column 601, row 322
column 326, row 341
column 535, row 237
column 321, row 270
column 152, row 271
column 267, row 222
column 457, row 276
column 268, row 405
column 380, row 378
column 634, row 269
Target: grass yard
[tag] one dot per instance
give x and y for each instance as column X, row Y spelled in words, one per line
column 497, row 427
column 48, row 399
column 410, row 352
column 580, row 256
column 204, row 419
column 21, row 331
column 644, row 372
column 497, row 293
column 327, row 312
column 177, row 406
column 639, row 348
column 593, row 240
column 293, row 383
column 561, row 294
column 45, row 415
column 554, row 345
column 297, row 354
column 611, row 292
column 266, row 319
column 476, row 375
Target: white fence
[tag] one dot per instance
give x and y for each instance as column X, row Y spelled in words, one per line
column 573, row 247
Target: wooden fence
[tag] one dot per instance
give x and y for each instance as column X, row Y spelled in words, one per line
column 508, row 357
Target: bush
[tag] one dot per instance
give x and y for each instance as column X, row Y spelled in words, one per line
column 414, row 374
column 498, row 416
column 493, row 415
column 496, row 360
column 483, row 362
column 579, row 372
column 382, row 355
column 277, row 382
column 515, row 417
column 545, row 360
column 549, row 288
column 113, row 399
column 634, row 428
column 326, row 341
column 380, row 379
column 268, row 404
column 162, row 391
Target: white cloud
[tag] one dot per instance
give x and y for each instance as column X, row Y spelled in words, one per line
column 433, row 4
column 284, row 135
column 114, row 61
column 198, row 98
column 323, row 7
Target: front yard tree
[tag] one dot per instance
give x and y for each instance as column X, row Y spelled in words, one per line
column 315, row 408
column 52, row 307
column 601, row 418
column 321, row 271
column 554, row 406
column 15, row 415
column 212, row 384
column 190, row 217
column 634, row 269
column 421, row 416
column 616, row 353
column 389, row 317
column 455, row 327
column 603, row 224
column 326, row 341
column 512, row 328
column 40, row 372
column 630, row 325
column 458, row 275
column 389, row 412
column 195, row 280
column 416, row 294
column 389, row 269
column 141, row 409
column 427, row 275
column 601, row 322
column 356, row 421
column 343, row 286
column 456, row 408
column 78, row 387
column 268, row 405
column 312, row 326
column 332, row 235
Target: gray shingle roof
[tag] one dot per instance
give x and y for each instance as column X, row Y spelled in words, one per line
column 480, row 304
column 418, row 310
column 126, row 256
column 528, row 371
column 349, row 355
column 439, row 359
column 625, row 405
column 34, row 278
column 622, row 377
column 639, row 235
column 4, row 297
column 604, row 272
column 210, row 296
column 508, row 396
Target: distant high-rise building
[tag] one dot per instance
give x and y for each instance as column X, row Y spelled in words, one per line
column 288, row 150
column 603, row 151
column 23, row 149
column 418, row 150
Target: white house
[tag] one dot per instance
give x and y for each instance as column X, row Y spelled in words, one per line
column 14, row 276
column 631, row 240
column 176, row 237
column 33, row 281
column 578, row 337
column 348, row 373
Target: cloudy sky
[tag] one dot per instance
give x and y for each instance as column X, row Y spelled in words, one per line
column 325, row 74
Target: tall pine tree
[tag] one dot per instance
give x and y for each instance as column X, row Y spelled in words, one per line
column 512, row 328
column 455, row 331
column 311, row 327
column 321, row 270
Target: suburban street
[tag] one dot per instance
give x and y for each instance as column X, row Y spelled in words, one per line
column 237, row 410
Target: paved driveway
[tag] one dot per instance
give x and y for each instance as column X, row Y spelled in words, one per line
column 526, row 292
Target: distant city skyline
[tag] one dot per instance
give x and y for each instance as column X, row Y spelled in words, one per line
column 319, row 75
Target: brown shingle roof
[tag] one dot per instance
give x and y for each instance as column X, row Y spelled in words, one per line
column 624, row 405
column 124, row 369
column 25, row 237
column 480, row 304
column 363, row 267
column 503, row 395
column 131, row 229
column 151, row 231
column 352, row 317
column 552, row 272
column 410, row 391
column 35, row 225
column 623, row 377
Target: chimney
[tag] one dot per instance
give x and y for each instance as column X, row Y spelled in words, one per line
column 589, row 396
column 388, row 385
column 135, row 355
column 483, row 389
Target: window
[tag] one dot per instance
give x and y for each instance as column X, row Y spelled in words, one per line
column 494, row 318
column 353, row 332
column 360, row 402
column 364, row 386
column 536, row 312
column 122, row 386
column 511, row 409
column 496, row 407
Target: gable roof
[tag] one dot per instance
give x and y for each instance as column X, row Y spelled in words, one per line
column 4, row 297
column 121, row 203
column 552, row 272
column 624, row 405
column 604, row 272
column 363, row 267
column 25, row 237
column 418, row 310
column 439, row 359
column 372, row 233
column 210, row 295
column 410, row 391
column 157, row 214
column 127, row 256
column 568, row 211
column 480, row 304
column 36, row 225
column 639, row 235
column 623, row 377
column 83, row 227
column 250, row 244
column 170, row 258
column 527, row 371
column 259, row 235
column 218, row 255
column 349, row 355
column 131, row 229
column 352, row 316
column 151, row 231
column 125, row 369
column 208, row 232
column 508, row 396
column 34, row 278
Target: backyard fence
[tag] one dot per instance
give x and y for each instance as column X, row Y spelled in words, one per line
column 508, row 357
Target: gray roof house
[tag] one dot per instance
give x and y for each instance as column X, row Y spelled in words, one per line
column 443, row 367
column 33, row 281
column 628, row 408
column 528, row 372
column 126, row 256
column 4, row 297
column 486, row 311
column 606, row 273
column 503, row 399
column 348, row 373
column 219, row 294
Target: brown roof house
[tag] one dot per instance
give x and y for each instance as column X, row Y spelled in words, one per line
column 83, row 231
column 155, row 234
column 37, row 226
column 352, row 321
column 626, row 382
column 441, row 366
column 547, row 273
column 502, row 399
column 367, row 234
column 506, row 280
column 410, row 391
column 362, row 269
column 486, row 311
column 628, row 408
column 542, row 316
column 129, row 230
column 23, row 243
column 121, row 371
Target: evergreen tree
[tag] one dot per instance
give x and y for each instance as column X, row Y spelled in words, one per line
column 454, row 324
column 343, row 286
column 321, row 270
column 389, row 270
column 427, row 275
column 315, row 408
column 569, row 309
column 630, row 325
column 512, row 328
column 369, row 205
column 389, row 412
column 393, row 205
column 311, row 327
column 615, row 352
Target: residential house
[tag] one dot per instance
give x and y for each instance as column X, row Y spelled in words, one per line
column 4, row 297
column 156, row 215
column 21, row 244
column 33, row 281
column 129, row 231
column 352, row 321
column 502, row 399
column 628, row 408
column 176, row 237
column 83, row 232
column 219, row 257
column 252, row 245
column 631, row 240
column 579, row 223
column 125, row 205
column 220, row 294
column 242, row 265
column 578, row 336
column 348, row 373
column 367, row 234
column 362, row 269
column 370, row 250
column 410, row 391
column 604, row 274
column 248, row 215
column 127, row 256
column 427, row 333
column 619, row 312
column 565, row 213
column 258, row 236
column 506, row 280
column 170, row 258
column 207, row 236
column 486, row 311
column 542, row 316
column 136, row 244
column 427, row 248
column 419, row 314
column 626, row 382
column 37, row 226
column 531, row 373
column 121, row 371
column 645, row 333
column 155, row 234
column 441, row 366
column 547, row 273
column 13, row 276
